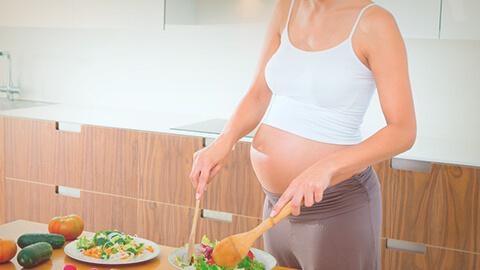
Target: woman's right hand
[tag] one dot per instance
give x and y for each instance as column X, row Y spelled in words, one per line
column 206, row 164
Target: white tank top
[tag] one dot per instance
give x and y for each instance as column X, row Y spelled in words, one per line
column 319, row 95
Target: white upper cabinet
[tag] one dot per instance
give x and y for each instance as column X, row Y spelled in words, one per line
column 416, row 18
column 460, row 19
column 204, row 12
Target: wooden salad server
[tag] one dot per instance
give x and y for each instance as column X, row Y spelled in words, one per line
column 231, row 250
column 191, row 238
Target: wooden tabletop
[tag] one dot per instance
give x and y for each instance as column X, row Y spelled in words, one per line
column 13, row 230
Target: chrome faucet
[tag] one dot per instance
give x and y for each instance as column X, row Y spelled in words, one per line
column 10, row 89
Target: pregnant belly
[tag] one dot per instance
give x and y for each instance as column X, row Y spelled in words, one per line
column 278, row 156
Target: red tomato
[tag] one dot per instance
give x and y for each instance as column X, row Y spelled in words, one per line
column 250, row 255
column 69, row 226
column 69, row 267
column 211, row 261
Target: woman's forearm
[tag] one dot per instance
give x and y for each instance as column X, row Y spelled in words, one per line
column 246, row 117
column 387, row 142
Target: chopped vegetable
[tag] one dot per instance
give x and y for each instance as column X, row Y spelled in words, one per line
column 204, row 260
column 112, row 245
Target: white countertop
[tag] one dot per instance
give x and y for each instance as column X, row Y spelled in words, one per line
column 458, row 151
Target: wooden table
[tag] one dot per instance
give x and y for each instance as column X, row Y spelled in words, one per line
column 13, row 230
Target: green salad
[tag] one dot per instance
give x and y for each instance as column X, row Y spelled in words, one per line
column 111, row 245
column 203, row 259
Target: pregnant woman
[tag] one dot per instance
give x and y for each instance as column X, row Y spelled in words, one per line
column 321, row 63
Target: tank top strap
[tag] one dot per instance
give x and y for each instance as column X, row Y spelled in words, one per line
column 292, row 2
column 357, row 20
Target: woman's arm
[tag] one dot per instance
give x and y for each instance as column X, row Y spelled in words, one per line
column 383, row 47
column 208, row 161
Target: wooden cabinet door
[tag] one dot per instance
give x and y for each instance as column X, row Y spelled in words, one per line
column 29, row 146
column 2, row 172
column 170, row 224
column 236, row 189
column 3, row 201
column 416, row 19
column 36, row 202
column 165, row 164
column 440, row 208
column 433, row 259
column 108, row 212
column 164, row 223
column 111, row 161
column 460, row 19
column 39, row 152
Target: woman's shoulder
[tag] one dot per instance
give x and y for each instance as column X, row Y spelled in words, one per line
column 378, row 20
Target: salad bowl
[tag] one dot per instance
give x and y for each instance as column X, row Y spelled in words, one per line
column 175, row 258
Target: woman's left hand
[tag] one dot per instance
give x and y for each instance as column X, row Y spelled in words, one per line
column 308, row 188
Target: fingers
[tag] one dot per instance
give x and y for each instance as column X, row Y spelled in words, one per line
column 284, row 199
column 318, row 193
column 215, row 170
column 308, row 196
column 202, row 183
column 297, row 202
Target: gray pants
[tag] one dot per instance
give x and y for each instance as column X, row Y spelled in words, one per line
column 342, row 232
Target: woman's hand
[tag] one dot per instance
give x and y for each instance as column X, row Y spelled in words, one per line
column 308, row 188
column 206, row 164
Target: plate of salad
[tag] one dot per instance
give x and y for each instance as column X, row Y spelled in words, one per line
column 112, row 248
column 202, row 259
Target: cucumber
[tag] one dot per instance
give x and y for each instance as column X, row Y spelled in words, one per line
column 55, row 240
column 35, row 254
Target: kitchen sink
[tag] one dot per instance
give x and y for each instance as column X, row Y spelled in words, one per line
column 6, row 104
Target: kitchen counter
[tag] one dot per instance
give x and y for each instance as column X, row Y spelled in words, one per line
column 460, row 151
column 13, row 230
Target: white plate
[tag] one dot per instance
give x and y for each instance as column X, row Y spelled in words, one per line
column 72, row 252
column 268, row 260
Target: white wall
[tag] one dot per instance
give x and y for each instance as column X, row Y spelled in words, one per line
column 203, row 69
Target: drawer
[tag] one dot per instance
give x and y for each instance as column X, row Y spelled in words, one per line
column 36, row 202
column 236, row 188
column 87, row 157
column 433, row 259
column 165, row 164
column 439, row 208
column 108, row 212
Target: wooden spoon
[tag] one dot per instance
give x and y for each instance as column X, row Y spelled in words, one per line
column 231, row 250
column 191, row 239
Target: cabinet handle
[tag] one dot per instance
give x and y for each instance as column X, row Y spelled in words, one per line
column 216, row 215
column 67, row 191
column 207, row 141
column 406, row 246
column 68, row 127
column 411, row 165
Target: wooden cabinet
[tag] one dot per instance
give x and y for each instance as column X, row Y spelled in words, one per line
column 107, row 212
column 96, row 158
column 165, row 163
column 170, row 224
column 416, row 19
column 236, row 189
column 2, row 172
column 439, row 208
column 164, row 223
column 36, row 202
column 433, row 259
column 111, row 161
column 460, row 19
column 29, row 147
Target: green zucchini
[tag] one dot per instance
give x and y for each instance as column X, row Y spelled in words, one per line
column 55, row 240
column 35, row 254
